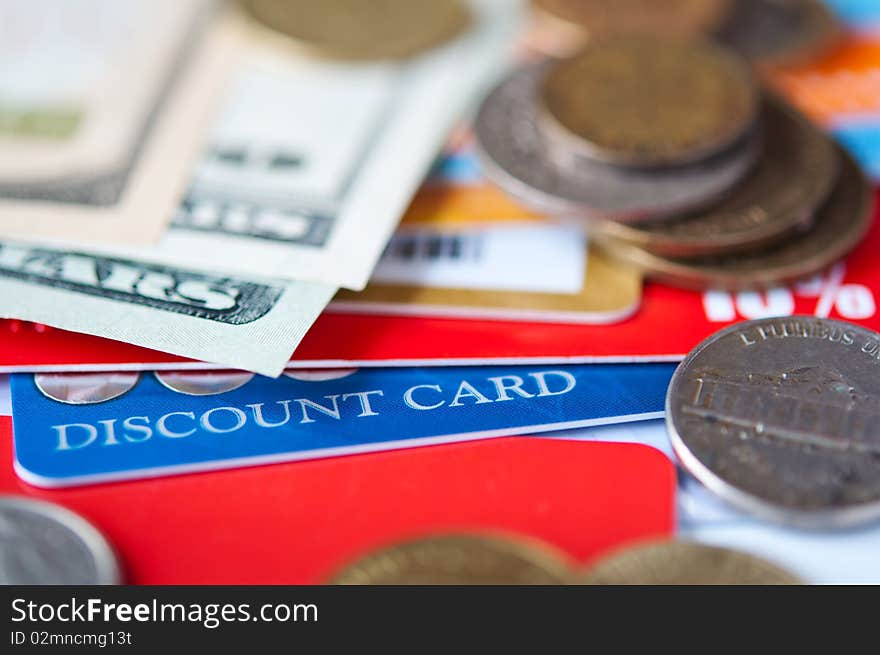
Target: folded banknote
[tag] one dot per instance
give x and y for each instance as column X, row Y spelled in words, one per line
column 312, row 162
column 102, row 111
column 233, row 321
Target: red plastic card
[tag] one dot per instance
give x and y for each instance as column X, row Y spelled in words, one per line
column 668, row 325
column 298, row 522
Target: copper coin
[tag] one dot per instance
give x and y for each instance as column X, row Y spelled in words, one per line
column 779, row 417
column 459, row 560
column 839, row 226
column 515, row 155
column 792, row 178
column 603, row 17
column 685, row 563
column 358, row 30
column 648, row 101
column 777, row 33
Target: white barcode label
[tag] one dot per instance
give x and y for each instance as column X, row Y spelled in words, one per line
column 501, row 257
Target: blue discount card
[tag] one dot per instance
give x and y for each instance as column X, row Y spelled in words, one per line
column 79, row 428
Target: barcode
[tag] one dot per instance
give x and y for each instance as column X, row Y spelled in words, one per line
column 434, row 247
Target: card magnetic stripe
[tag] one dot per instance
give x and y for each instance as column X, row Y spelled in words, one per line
column 151, row 430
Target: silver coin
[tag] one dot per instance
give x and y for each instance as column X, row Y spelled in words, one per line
column 203, row 383
column 319, row 374
column 781, row 418
column 85, row 388
column 516, row 156
column 42, row 543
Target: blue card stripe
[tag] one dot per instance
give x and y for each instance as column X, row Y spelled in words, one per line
column 152, row 430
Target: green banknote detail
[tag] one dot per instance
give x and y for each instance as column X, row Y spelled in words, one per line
column 56, row 123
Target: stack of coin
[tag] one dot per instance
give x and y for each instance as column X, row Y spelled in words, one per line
column 770, row 33
column 678, row 162
column 361, row 31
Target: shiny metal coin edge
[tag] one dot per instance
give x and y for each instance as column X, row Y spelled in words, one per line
column 689, row 246
column 107, row 564
column 161, row 378
column 687, row 274
column 738, row 162
column 136, row 374
column 842, row 518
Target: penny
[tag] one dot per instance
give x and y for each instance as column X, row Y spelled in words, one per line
column 839, row 226
column 42, row 543
column 514, row 154
column 353, row 29
column 459, row 560
column 781, row 32
column 781, row 418
column 600, row 17
column 792, row 178
column 685, row 563
column 647, row 101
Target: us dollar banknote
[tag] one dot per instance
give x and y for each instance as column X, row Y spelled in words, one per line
column 227, row 320
column 103, row 107
column 312, row 163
